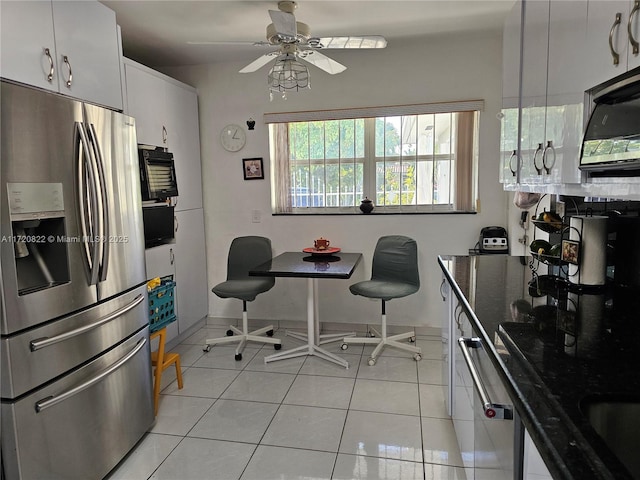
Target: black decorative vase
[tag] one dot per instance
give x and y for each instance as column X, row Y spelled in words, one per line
column 366, row 206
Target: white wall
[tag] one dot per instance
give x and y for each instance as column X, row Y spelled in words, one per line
column 415, row 71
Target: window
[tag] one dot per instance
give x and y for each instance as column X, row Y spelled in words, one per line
column 404, row 162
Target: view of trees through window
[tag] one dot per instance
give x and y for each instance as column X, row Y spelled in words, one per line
column 395, row 161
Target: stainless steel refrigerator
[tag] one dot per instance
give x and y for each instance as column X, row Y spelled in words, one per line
column 75, row 362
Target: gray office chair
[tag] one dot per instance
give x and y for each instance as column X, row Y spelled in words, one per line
column 394, row 274
column 244, row 254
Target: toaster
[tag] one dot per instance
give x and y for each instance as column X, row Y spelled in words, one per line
column 493, row 240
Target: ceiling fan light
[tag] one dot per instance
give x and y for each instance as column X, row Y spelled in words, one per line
column 288, row 74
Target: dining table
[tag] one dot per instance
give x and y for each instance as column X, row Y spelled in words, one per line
column 333, row 265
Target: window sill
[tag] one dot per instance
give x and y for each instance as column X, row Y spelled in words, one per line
column 372, row 214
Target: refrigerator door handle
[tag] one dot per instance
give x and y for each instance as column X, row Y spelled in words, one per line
column 104, row 214
column 87, row 202
column 39, row 343
column 55, row 399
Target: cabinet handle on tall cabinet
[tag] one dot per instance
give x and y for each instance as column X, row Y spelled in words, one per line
column 47, row 52
column 614, row 54
column 535, row 160
column 165, row 135
column 511, row 159
column 171, row 256
column 548, row 166
column 632, row 40
column 69, row 81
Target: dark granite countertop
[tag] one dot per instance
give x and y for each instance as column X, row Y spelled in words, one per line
column 555, row 348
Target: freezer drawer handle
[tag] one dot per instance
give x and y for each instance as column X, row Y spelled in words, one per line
column 491, row 410
column 48, row 341
column 55, row 399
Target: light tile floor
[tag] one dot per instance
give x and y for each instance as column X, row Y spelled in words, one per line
column 302, row 418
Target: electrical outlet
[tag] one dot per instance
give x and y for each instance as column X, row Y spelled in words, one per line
column 256, row 216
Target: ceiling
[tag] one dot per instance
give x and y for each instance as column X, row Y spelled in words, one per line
column 156, row 32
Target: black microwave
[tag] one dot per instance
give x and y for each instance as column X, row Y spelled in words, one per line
column 158, row 225
column 157, row 174
column 611, row 143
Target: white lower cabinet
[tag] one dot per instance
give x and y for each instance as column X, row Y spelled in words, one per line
column 185, row 260
column 463, row 394
column 191, row 268
column 160, row 262
column 533, row 467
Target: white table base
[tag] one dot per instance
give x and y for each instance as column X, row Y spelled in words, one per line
column 312, row 333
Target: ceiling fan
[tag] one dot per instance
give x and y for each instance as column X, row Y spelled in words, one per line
column 294, row 42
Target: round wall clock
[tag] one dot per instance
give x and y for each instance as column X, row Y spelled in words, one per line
column 233, row 137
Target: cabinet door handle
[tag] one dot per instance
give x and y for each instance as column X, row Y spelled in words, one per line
column 69, row 81
column 165, row 135
column 632, row 40
column 171, row 256
column 491, row 410
column 47, row 53
column 444, row 298
column 514, row 156
column 548, row 166
column 614, row 54
column 176, row 224
column 535, row 160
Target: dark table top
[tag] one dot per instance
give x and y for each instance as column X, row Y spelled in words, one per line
column 304, row 265
column 553, row 350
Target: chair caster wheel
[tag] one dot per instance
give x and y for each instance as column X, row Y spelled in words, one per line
column 277, row 346
column 417, row 357
column 344, row 346
column 229, row 333
column 412, row 339
column 371, row 361
column 238, row 356
column 270, row 333
column 207, row 348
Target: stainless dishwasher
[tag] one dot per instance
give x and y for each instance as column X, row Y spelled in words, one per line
column 497, row 430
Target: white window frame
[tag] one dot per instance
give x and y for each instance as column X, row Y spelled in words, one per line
column 370, row 161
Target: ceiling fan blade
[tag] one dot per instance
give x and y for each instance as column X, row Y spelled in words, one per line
column 321, row 61
column 216, row 42
column 259, row 62
column 367, row 41
column 285, row 24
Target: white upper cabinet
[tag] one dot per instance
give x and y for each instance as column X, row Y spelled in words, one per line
column 88, row 52
column 146, row 102
column 28, row 51
column 607, row 39
column 568, row 59
column 183, row 139
column 83, row 61
column 509, row 125
column 166, row 113
column 535, row 34
column 633, row 31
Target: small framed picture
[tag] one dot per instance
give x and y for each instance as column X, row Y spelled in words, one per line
column 570, row 251
column 252, row 168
